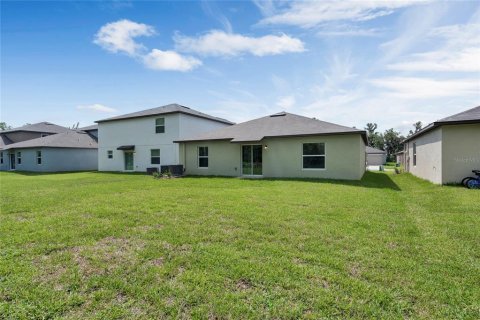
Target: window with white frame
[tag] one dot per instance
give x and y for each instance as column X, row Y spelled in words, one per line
column 39, row 157
column 155, row 156
column 414, row 153
column 160, row 125
column 203, row 157
column 313, row 156
column 19, row 157
column 110, row 154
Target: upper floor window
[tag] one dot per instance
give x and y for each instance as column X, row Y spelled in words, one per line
column 110, row 154
column 39, row 157
column 160, row 125
column 155, row 156
column 19, row 157
column 414, row 153
column 313, row 156
column 203, row 157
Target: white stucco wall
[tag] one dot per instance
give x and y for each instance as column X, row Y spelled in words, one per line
column 345, row 157
column 140, row 132
column 55, row 159
column 429, row 156
column 460, row 151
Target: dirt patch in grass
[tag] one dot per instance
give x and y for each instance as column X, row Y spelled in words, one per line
column 243, row 284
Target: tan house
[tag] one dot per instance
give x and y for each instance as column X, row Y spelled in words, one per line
column 279, row 145
column 446, row 150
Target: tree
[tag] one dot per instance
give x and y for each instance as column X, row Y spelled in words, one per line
column 418, row 126
column 393, row 143
column 4, row 126
column 375, row 139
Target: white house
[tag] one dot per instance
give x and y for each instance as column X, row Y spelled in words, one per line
column 144, row 139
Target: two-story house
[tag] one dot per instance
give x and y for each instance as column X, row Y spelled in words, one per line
column 144, row 139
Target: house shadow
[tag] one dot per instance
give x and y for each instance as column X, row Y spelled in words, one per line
column 369, row 180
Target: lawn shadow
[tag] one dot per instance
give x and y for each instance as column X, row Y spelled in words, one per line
column 369, row 180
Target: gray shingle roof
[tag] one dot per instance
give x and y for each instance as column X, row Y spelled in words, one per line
column 170, row 108
column 277, row 125
column 465, row 117
column 4, row 141
column 371, row 150
column 46, row 127
column 68, row 139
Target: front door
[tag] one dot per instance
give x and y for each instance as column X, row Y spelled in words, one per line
column 128, row 160
column 252, row 160
column 12, row 161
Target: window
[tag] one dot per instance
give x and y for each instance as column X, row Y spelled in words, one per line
column 313, row 156
column 155, row 156
column 19, row 157
column 414, row 153
column 39, row 157
column 203, row 157
column 1, row 157
column 110, row 154
column 160, row 125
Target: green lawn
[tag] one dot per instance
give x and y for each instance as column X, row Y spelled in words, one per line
column 100, row 245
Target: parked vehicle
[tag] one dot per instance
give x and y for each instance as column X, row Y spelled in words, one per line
column 472, row 182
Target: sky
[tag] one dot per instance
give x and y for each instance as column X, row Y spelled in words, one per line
column 389, row 62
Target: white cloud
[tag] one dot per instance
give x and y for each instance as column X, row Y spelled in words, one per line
column 97, row 108
column 348, row 31
column 426, row 88
column 170, row 60
column 308, row 14
column 286, row 102
column 220, row 43
column 460, row 51
column 119, row 36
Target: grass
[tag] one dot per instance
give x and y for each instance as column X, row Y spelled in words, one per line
column 113, row 246
column 390, row 165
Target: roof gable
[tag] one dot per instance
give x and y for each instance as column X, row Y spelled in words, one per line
column 281, row 124
column 170, row 108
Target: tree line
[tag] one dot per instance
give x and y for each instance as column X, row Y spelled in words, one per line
column 390, row 141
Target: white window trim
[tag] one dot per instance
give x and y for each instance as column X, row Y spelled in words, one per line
column 199, row 156
column 157, row 125
column 19, row 157
column 414, row 154
column 108, row 154
column 37, row 157
column 314, row 155
column 159, row 157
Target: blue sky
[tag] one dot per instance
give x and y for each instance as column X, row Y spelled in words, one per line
column 393, row 63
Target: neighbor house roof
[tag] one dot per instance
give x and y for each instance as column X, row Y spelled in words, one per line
column 46, row 127
column 4, row 141
column 466, row 117
column 168, row 109
column 371, row 150
column 68, row 139
column 281, row 124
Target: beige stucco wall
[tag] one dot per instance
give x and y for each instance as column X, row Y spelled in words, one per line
column 460, row 151
column 429, row 156
column 345, row 157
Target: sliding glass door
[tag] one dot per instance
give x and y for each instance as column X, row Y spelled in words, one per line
column 252, row 160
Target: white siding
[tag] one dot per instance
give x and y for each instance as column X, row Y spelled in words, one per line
column 140, row 132
column 429, row 156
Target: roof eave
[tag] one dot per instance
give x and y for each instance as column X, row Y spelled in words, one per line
column 163, row 113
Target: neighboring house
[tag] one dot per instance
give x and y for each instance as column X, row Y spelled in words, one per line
column 446, row 150
column 72, row 150
column 144, row 139
column 375, row 157
column 24, row 133
column 279, row 145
